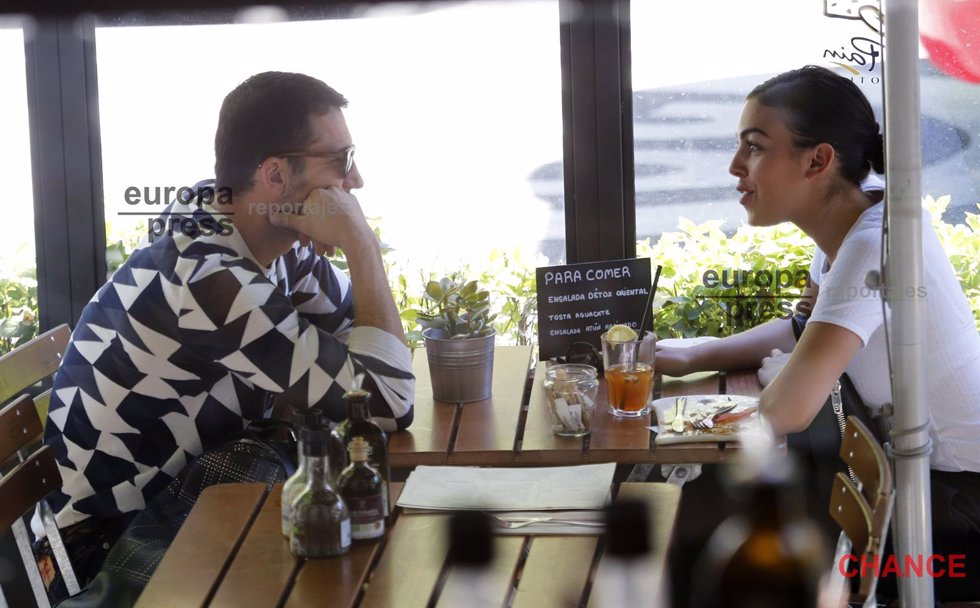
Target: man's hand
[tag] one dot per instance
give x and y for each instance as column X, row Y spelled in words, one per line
column 330, row 218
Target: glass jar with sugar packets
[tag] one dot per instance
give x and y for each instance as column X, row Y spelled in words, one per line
column 570, row 389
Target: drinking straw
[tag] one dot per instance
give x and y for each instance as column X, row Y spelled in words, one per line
column 646, row 310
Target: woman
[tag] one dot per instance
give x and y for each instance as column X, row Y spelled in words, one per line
column 806, row 140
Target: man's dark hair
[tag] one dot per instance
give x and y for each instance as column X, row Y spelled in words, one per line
column 823, row 107
column 267, row 114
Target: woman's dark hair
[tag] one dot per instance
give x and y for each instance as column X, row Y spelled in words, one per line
column 822, row 107
column 267, row 114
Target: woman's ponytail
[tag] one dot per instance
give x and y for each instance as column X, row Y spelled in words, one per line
column 876, row 154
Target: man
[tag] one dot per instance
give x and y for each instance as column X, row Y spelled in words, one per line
column 228, row 305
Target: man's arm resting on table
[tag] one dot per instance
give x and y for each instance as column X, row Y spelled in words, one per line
column 373, row 303
column 375, row 312
column 377, row 342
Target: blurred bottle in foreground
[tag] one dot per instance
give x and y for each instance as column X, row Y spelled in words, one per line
column 769, row 554
column 362, row 489
column 470, row 582
column 630, row 575
column 319, row 520
column 302, row 419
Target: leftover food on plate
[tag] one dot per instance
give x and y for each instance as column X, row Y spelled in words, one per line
column 705, row 417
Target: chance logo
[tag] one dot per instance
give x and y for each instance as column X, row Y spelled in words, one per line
column 934, row 566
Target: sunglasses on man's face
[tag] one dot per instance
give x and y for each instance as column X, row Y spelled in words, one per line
column 347, row 154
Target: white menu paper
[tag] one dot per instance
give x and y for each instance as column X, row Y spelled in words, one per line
column 508, row 489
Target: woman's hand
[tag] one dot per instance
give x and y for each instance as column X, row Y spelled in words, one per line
column 800, row 389
column 672, row 361
column 771, row 366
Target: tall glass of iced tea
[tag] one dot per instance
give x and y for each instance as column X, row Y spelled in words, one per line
column 628, row 366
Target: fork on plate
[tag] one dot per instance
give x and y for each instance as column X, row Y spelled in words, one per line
column 708, row 421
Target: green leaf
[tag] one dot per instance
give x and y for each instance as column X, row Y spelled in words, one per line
column 446, row 285
column 434, row 290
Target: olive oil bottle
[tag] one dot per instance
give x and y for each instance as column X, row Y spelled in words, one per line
column 363, row 491
column 320, row 523
column 359, row 424
column 304, row 418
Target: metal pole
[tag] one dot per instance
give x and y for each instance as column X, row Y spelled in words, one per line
column 903, row 278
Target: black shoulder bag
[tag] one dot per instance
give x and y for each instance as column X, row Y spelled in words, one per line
column 845, row 401
column 818, row 446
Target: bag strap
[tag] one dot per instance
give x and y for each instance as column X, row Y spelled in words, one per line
column 837, row 402
column 799, row 324
column 843, row 398
column 277, row 436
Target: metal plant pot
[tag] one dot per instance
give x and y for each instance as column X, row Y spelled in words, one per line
column 461, row 370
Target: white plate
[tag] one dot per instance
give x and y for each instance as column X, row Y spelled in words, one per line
column 699, row 406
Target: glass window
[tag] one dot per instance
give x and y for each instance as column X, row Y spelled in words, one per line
column 692, row 70
column 455, row 110
column 18, row 265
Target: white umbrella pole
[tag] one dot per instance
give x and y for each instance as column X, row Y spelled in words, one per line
column 904, row 277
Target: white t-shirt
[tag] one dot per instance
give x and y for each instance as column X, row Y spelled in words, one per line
column 952, row 344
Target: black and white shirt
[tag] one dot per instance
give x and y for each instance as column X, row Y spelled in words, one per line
column 185, row 344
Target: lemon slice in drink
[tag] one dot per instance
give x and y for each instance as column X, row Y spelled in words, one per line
column 621, row 333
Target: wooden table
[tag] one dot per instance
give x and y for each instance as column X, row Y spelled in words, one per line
column 513, row 427
column 230, row 552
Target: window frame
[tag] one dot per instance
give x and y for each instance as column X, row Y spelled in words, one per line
column 66, row 156
column 597, row 116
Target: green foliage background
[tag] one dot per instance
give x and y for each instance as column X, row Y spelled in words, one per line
column 684, row 306
column 688, row 308
column 18, row 299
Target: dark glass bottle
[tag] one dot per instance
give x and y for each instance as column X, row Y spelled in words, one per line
column 629, row 578
column 471, row 552
column 319, row 519
column 362, row 489
column 769, row 554
column 359, row 424
column 302, row 419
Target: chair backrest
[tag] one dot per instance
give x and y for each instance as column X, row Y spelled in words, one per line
column 863, row 511
column 28, row 470
column 32, row 362
column 36, row 475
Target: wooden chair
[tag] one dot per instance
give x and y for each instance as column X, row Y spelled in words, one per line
column 28, row 471
column 862, row 509
column 31, row 363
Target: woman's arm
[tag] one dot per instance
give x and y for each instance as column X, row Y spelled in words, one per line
column 741, row 351
column 797, row 393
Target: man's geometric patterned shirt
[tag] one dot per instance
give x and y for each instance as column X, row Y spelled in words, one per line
column 188, row 342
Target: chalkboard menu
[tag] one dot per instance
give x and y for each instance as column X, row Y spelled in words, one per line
column 579, row 302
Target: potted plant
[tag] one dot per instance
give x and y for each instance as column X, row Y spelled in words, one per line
column 459, row 337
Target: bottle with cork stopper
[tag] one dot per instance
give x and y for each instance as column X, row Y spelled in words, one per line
column 363, row 489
